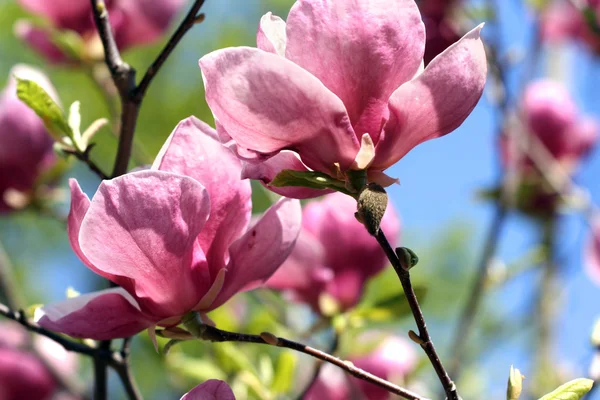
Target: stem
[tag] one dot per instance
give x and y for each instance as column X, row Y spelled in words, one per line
column 124, row 372
column 469, row 312
column 85, row 158
column 424, row 337
column 319, row 365
column 210, row 333
column 101, row 373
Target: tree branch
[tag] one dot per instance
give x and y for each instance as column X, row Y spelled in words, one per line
column 210, row 333
column 424, row 338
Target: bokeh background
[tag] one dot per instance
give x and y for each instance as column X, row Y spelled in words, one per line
column 445, row 219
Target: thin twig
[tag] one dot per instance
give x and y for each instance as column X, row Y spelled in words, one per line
column 467, row 317
column 188, row 22
column 319, row 365
column 85, row 158
column 424, row 337
column 101, row 373
column 210, row 333
column 124, row 371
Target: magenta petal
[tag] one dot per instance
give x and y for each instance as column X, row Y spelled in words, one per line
column 267, row 170
column 103, row 315
column 267, row 103
column 143, row 227
column 262, row 249
column 362, row 50
column 39, row 40
column 271, row 35
column 435, row 102
column 194, row 150
column 212, row 389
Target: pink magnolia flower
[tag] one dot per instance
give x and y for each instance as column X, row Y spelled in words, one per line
column 442, row 32
column 562, row 20
column 391, row 360
column 23, row 374
column 334, row 253
column 174, row 238
column 335, row 78
column 212, row 389
column 134, row 22
column 551, row 124
column 25, row 144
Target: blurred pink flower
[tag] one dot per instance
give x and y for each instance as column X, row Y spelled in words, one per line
column 134, row 22
column 441, row 30
column 334, row 253
column 390, row 360
column 592, row 253
column 212, row 389
column 562, row 20
column 336, row 76
column 23, row 375
column 25, row 144
column 175, row 238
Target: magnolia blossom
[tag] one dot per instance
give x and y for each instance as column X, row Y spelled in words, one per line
column 334, row 254
column 550, row 131
column 390, row 360
column 337, row 78
column 23, row 374
column 134, row 23
column 175, row 238
column 565, row 20
column 442, row 32
column 25, row 144
column 212, row 389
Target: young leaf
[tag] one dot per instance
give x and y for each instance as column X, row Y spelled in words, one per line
column 39, row 101
column 515, row 384
column 573, row 390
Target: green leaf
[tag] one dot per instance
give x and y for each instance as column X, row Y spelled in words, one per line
column 573, row 390
column 309, row 179
column 284, row 372
column 39, row 101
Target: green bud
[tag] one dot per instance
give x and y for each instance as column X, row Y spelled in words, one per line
column 515, row 384
column 407, row 257
column 372, row 202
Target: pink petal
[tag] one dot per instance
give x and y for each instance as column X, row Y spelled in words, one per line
column 39, row 40
column 142, row 227
column 267, row 170
column 267, row 103
column 435, row 102
column 103, row 315
column 58, row 11
column 194, row 150
column 271, row 34
column 362, row 50
column 592, row 253
column 262, row 249
column 212, row 389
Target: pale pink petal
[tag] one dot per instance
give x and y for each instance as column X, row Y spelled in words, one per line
column 267, row 170
column 58, row 11
column 267, row 103
column 435, row 102
column 271, row 34
column 142, row 227
column 194, row 150
column 362, row 50
column 262, row 249
column 212, row 389
column 103, row 315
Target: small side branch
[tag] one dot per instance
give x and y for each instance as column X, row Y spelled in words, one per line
column 424, row 338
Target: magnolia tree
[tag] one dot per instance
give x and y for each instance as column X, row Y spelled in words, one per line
column 212, row 279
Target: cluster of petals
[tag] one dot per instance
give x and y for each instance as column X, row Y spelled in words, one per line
column 25, row 144
column 176, row 238
column 134, row 22
column 335, row 78
column 212, row 389
column 334, row 254
column 566, row 20
column 25, row 375
column 391, row 360
column 441, row 30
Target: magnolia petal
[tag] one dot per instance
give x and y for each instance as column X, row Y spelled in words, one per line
column 267, row 170
column 142, row 227
column 213, row 292
column 194, row 150
column 436, row 102
column 212, row 389
column 102, row 315
column 262, row 249
column 362, row 50
column 271, row 35
column 39, row 39
column 267, row 103
column 152, row 336
column 381, row 178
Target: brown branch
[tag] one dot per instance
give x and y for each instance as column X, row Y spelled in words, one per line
column 210, row 333
column 188, row 22
column 85, row 158
column 424, row 338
